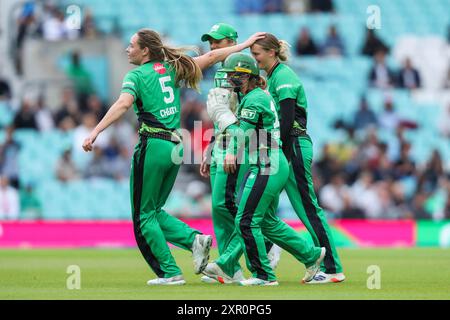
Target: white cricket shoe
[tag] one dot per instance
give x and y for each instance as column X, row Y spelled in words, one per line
column 173, row 281
column 312, row 270
column 322, row 277
column 257, row 282
column 200, row 252
column 274, row 256
column 213, row 271
column 215, row 274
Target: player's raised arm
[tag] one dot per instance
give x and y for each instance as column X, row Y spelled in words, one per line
column 214, row 56
column 123, row 103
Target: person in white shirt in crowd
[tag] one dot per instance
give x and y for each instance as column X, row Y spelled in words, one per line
column 444, row 122
column 365, row 196
column 381, row 76
column 408, row 76
column 9, row 200
column 335, row 196
column 44, row 117
column 389, row 118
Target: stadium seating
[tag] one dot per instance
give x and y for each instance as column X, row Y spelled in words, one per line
column 333, row 85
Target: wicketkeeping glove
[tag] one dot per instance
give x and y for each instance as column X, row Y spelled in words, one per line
column 218, row 108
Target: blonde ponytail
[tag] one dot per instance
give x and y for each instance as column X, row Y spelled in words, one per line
column 284, row 51
column 187, row 71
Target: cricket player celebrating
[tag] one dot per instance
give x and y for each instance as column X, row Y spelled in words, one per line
column 225, row 185
column 267, row 174
column 286, row 89
column 153, row 90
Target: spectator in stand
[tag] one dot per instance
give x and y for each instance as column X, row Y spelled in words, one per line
column 365, row 196
column 297, row 7
column 364, row 117
column 68, row 115
column 333, row 45
column 381, row 165
column 9, row 158
column 373, row 44
column 30, row 205
column 120, row 165
column 24, row 23
column 405, row 166
column 389, row 119
column 335, row 196
column 98, row 167
column 428, row 181
column 5, row 90
column 89, row 120
column 192, row 111
column 25, row 117
column 95, row 105
column 381, row 76
column 66, row 170
column 44, row 117
column 444, row 122
column 54, row 27
column 88, row 27
column 409, row 77
column 9, row 200
column 368, row 149
column 446, row 84
column 273, row 6
column 327, row 165
column 249, row 6
column 321, row 5
column 80, row 77
column 305, row 44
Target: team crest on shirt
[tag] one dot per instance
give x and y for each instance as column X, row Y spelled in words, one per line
column 159, row 68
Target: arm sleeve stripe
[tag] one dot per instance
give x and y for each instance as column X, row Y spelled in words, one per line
column 251, row 122
column 129, row 88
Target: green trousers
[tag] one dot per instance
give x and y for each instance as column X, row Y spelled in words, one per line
column 225, row 189
column 256, row 220
column 153, row 174
column 300, row 190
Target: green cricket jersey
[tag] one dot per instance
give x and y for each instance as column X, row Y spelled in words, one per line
column 283, row 83
column 258, row 121
column 156, row 96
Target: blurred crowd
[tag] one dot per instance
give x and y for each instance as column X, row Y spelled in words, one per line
column 282, row 6
column 365, row 176
column 362, row 176
column 48, row 21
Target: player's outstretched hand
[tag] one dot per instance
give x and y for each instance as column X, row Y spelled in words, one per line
column 256, row 36
column 88, row 142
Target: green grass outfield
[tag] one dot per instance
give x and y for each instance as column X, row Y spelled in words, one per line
column 122, row 274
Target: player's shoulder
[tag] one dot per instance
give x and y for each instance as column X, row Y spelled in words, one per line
column 257, row 97
column 285, row 78
column 284, row 71
column 133, row 74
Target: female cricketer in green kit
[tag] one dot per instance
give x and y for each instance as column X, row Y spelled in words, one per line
column 288, row 93
column 256, row 129
column 225, row 185
column 153, row 90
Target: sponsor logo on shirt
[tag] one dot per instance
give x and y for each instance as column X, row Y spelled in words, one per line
column 248, row 114
column 168, row 112
column 159, row 68
column 284, row 86
column 127, row 83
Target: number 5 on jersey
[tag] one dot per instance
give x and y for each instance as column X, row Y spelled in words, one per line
column 166, row 89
